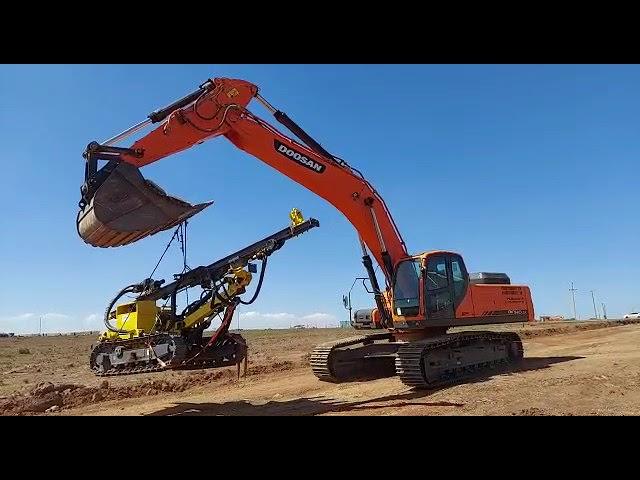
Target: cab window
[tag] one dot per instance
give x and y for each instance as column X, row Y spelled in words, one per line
column 437, row 273
column 459, row 278
column 406, row 289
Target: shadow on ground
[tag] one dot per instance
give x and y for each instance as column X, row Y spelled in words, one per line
column 319, row 404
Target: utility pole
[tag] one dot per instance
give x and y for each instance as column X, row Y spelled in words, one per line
column 604, row 311
column 40, row 325
column 238, row 319
column 573, row 296
column 594, row 303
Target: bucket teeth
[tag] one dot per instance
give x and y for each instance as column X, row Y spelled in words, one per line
column 126, row 208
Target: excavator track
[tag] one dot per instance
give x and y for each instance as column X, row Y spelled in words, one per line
column 327, row 357
column 429, row 363
column 443, row 360
column 228, row 351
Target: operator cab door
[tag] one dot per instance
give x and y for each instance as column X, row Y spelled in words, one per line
column 446, row 282
column 429, row 288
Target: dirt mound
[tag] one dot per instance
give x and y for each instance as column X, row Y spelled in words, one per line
column 569, row 328
column 43, row 397
column 274, row 367
column 48, row 397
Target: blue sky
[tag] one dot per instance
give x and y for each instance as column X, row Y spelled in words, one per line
column 530, row 170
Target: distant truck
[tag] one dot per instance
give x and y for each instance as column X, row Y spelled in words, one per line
column 632, row 316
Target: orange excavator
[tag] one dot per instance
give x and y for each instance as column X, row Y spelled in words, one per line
column 423, row 295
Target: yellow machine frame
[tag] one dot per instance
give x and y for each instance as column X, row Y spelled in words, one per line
column 137, row 318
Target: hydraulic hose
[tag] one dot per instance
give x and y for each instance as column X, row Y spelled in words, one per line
column 257, row 292
column 125, row 290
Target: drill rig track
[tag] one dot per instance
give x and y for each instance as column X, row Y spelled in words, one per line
column 163, row 351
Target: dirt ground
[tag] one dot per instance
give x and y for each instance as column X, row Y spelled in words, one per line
column 570, row 368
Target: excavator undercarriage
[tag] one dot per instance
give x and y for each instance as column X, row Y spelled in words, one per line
column 429, row 363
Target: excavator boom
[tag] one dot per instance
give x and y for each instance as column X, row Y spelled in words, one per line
column 120, row 207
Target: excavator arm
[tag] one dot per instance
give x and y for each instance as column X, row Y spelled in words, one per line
column 120, row 207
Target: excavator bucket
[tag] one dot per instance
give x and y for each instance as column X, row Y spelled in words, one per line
column 126, row 208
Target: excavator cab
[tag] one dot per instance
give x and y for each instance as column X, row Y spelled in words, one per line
column 435, row 289
column 429, row 287
column 120, row 206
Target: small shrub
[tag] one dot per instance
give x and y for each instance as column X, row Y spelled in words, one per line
column 24, row 351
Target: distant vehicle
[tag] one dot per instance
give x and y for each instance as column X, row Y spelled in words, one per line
column 632, row 315
column 368, row 318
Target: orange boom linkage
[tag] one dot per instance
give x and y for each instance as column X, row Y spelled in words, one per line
column 424, row 294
